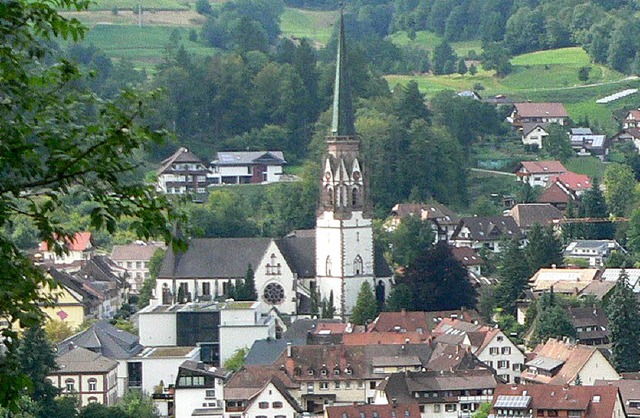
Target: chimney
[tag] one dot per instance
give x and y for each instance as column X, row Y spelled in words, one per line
column 406, row 341
column 289, row 349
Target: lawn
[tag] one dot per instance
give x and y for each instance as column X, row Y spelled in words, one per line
column 315, row 25
column 144, row 4
column 590, row 166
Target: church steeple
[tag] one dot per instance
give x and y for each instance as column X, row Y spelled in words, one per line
column 343, row 119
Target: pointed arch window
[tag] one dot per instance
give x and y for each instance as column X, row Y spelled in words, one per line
column 343, row 196
column 358, row 266
column 327, row 267
column 355, row 196
column 329, row 195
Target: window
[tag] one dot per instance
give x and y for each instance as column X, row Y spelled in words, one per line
column 70, row 385
column 504, row 377
column 436, row 407
column 500, row 338
column 263, row 405
column 358, row 267
column 273, row 293
column 210, row 394
column 355, row 198
column 360, row 385
column 92, row 399
column 575, row 414
column 336, row 384
column 323, row 385
column 372, row 385
column 93, row 385
column 552, row 413
column 450, row 407
column 206, row 288
column 503, row 364
column 328, row 266
column 347, row 384
column 494, row 351
column 506, row 350
column 138, row 265
column 276, row 405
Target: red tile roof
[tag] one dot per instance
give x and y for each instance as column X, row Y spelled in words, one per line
column 372, row 338
column 594, row 401
column 554, row 194
column 330, row 328
column 79, row 242
column 635, row 114
column 408, row 410
column 467, row 256
column 529, row 110
column 543, row 167
column 396, row 321
column 574, row 181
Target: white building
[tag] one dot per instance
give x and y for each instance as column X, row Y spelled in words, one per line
column 78, row 249
column 199, row 391
column 242, row 167
column 155, row 368
column 594, row 251
column 534, row 134
column 183, row 173
column 134, row 258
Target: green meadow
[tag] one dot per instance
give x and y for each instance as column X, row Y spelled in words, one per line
column 315, row 25
column 546, row 76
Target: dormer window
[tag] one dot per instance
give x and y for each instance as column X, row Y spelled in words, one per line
column 336, row 371
column 323, row 372
column 310, row 372
column 348, row 370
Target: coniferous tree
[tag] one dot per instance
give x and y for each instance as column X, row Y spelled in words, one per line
column 623, row 312
column 514, row 273
column 315, row 301
column 544, row 249
column 365, row 309
column 400, row 297
column 328, row 307
column 595, row 206
column 552, row 320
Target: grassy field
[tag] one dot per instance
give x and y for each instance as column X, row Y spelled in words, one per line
column 144, row 46
column 429, row 40
column 548, row 76
column 315, row 25
column 144, row 4
column 590, row 166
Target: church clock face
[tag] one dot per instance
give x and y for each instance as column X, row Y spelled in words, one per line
column 327, row 176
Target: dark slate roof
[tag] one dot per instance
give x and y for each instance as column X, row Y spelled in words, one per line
column 183, row 155
column 214, row 258
column 403, row 385
column 105, row 339
column 66, row 280
column 81, row 360
column 265, row 352
column 231, row 158
column 204, row 369
column 101, row 269
column 527, row 127
column 299, row 249
column 298, row 330
column 489, row 228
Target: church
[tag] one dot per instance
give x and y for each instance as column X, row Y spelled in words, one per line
column 335, row 259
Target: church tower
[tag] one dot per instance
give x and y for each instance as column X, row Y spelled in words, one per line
column 344, row 232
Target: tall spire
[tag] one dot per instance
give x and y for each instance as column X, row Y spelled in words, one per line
column 343, row 119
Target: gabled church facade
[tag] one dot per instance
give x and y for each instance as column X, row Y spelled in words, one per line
column 335, row 259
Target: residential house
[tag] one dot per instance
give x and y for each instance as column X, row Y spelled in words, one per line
column 135, row 258
column 527, row 215
column 339, row 374
column 611, row 276
column 557, row 401
column 489, row 345
column 534, row 134
column 539, row 173
column 567, row 281
column 595, row 252
column 75, row 250
column 470, row 94
column 106, row 280
column 183, row 173
column 471, row 260
column 631, row 135
column 539, row 112
column 105, row 339
column 403, row 321
column 154, row 369
column 629, row 392
column 73, row 303
column 86, row 374
column 591, row 144
column 392, row 410
column 557, row 195
column 486, row 232
column 219, row 329
column 440, row 394
column 632, row 120
column 261, row 391
column 443, row 220
column 562, row 362
column 580, row 131
column 574, row 183
column 591, row 325
column 242, row 167
column 198, row 391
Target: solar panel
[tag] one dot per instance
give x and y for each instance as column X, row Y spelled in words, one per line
column 513, row 402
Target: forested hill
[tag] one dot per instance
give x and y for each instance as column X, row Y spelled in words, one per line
column 609, row 30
